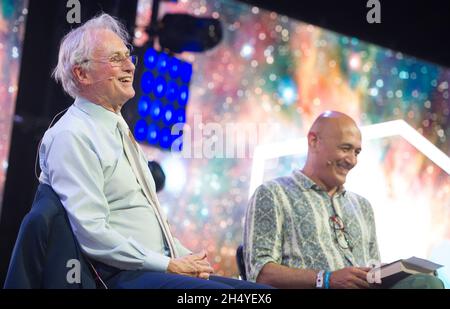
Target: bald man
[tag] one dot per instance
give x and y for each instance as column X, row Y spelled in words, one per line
column 306, row 230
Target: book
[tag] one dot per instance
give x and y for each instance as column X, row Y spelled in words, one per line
column 391, row 273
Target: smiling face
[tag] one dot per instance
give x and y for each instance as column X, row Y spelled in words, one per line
column 107, row 82
column 334, row 146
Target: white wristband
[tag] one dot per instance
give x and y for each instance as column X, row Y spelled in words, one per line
column 319, row 279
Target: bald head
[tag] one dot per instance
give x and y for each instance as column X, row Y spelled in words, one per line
column 332, row 122
column 334, row 142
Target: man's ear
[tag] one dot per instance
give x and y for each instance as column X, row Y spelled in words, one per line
column 313, row 140
column 80, row 75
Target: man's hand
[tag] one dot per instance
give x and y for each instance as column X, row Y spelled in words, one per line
column 350, row 278
column 194, row 265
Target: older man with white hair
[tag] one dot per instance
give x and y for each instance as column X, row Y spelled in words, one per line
column 92, row 162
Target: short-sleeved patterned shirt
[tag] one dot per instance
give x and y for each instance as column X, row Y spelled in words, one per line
column 288, row 223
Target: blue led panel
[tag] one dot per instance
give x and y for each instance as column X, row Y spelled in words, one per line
column 164, row 93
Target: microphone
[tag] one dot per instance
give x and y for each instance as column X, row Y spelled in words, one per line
column 103, row 79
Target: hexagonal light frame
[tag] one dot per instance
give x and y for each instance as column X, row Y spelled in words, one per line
column 375, row 131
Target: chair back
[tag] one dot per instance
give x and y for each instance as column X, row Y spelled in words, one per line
column 46, row 253
column 240, row 262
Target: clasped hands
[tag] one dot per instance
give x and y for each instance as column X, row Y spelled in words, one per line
column 194, row 265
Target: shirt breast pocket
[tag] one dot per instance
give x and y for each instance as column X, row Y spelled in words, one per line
column 118, row 175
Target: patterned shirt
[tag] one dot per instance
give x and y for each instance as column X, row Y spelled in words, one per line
column 289, row 222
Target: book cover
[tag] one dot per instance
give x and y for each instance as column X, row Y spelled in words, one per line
column 391, row 273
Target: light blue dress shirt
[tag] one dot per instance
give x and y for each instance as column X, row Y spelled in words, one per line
column 82, row 159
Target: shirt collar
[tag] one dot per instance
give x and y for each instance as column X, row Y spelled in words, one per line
column 98, row 112
column 307, row 183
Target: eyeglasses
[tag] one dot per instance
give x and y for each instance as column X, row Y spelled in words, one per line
column 341, row 236
column 116, row 60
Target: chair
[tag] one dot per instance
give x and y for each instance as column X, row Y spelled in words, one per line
column 240, row 262
column 44, row 246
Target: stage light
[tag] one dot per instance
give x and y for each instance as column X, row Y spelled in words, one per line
column 168, row 114
column 163, row 63
column 150, row 58
column 165, row 79
column 180, row 116
column 172, row 91
column 140, row 130
column 184, row 95
column 185, row 72
column 165, row 138
column 147, row 82
column 183, row 32
column 160, row 87
column 174, row 68
column 152, row 134
column 155, row 110
column 165, row 94
column 144, row 106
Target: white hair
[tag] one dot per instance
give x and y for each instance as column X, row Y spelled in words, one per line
column 76, row 48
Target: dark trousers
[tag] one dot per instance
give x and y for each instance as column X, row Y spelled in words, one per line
column 142, row 279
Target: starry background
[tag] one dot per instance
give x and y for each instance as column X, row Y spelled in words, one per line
column 282, row 73
column 270, row 69
column 12, row 27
